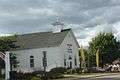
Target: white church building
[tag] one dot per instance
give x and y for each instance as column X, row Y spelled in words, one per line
column 60, row 48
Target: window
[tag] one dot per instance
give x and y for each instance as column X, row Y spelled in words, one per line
column 31, row 61
column 31, row 56
column 70, row 57
column 64, row 62
column 75, row 62
column 44, row 58
column 69, row 50
column 70, row 64
column 44, row 53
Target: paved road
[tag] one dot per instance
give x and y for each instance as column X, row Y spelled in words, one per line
column 108, row 77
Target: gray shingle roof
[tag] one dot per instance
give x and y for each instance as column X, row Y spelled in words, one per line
column 41, row 39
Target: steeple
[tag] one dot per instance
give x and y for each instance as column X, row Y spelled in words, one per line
column 57, row 26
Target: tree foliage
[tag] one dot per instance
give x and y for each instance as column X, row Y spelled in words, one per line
column 7, row 43
column 85, row 56
column 13, row 61
column 108, row 46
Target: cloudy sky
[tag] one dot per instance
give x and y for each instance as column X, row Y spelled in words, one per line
column 85, row 17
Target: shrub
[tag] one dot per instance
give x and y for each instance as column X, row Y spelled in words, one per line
column 28, row 76
column 78, row 70
column 74, row 71
column 56, row 72
column 24, row 76
column 35, row 78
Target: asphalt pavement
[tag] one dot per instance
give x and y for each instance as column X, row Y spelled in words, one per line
column 112, row 76
column 108, row 77
column 103, row 77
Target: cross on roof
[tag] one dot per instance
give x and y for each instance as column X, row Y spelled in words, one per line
column 58, row 22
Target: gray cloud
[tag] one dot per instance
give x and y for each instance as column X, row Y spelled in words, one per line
column 85, row 17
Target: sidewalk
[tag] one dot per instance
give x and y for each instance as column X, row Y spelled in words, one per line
column 90, row 75
column 86, row 76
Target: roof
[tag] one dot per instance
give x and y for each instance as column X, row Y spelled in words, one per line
column 41, row 39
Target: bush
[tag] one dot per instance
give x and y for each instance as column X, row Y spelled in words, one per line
column 74, row 71
column 28, row 76
column 56, row 72
column 78, row 70
column 24, row 76
column 35, row 78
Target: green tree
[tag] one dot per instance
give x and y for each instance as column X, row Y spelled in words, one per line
column 85, row 55
column 108, row 46
column 13, row 61
column 7, row 43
